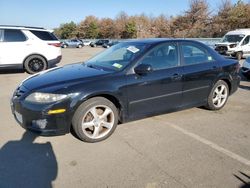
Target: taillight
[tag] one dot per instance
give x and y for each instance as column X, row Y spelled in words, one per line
column 55, row 44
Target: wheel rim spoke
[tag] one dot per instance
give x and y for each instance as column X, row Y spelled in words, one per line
column 87, row 124
column 93, row 112
column 222, row 89
column 215, row 100
column 219, row 102
column 96, row 132
column 224, row 96
column 216, row 91
column 105, row 113
column 107, row 125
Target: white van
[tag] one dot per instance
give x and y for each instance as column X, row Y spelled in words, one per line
column 235, row 43
column 30, row 48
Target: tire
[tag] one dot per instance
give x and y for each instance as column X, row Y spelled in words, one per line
column 239, row 56
column 95, row 120
column 65, row 46
column 79, row 46
column 218, row 96
column 34, row 64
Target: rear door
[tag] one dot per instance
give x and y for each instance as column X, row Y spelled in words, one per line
column 199, row 71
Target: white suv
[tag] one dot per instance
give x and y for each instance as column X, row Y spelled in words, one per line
column 31, row 48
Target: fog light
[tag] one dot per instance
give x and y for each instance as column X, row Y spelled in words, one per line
column 40, row 123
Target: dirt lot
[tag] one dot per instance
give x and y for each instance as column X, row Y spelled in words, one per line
column 190, row 148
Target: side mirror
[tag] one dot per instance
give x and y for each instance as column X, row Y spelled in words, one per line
column 143, row 69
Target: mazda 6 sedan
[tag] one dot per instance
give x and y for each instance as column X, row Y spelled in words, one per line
column 130, row 80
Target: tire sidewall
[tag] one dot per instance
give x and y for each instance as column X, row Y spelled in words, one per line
column 30, row 58
column 82, row 110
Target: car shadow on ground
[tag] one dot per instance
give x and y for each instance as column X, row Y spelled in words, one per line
column 11, row 71
column 244, row 178
column 24, row 163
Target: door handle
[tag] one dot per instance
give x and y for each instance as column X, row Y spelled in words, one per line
column 176, row 76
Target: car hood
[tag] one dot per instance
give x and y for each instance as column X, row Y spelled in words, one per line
column 62, row 75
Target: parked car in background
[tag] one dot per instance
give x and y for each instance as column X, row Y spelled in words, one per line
column 99, row 42
column 73, row 43
column 111, row 43
column 86, row 42
column 128, row 81
column 235, row 43
column 30, row 48
column 246, row 68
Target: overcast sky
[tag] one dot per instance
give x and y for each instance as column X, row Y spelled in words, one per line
column 51, row 13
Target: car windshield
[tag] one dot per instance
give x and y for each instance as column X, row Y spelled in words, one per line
column 232, row 38
column 116, row 57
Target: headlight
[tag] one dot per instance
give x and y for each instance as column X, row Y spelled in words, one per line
column 45, row 97
column 232, row 45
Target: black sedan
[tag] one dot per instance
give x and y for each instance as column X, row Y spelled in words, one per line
column 128, row 81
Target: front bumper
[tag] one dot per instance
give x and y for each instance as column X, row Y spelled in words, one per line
column 35, row 117
column 230, row 53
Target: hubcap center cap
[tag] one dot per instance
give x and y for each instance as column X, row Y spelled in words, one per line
column 97, row 122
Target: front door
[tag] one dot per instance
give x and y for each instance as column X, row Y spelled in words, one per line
column 159, row 90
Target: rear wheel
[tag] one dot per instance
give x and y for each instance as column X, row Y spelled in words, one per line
column 218, row 96
column 95, row 120
column 34, row 64
column 79, row 46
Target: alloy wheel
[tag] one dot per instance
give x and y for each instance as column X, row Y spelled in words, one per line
column 98, row 122
column 220, row 95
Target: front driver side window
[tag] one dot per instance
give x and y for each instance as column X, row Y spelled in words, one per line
column 162, row 56
column 246, row 40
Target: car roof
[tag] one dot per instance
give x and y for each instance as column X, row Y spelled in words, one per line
column 157, row 40
column 24, row 28
column 239, row 32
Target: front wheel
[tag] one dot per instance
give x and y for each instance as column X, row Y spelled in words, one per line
column 218, row 96
column 95, row 120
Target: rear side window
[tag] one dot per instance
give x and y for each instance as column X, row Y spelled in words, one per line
column 13, row 35
column 44, row 35
column 195, row 54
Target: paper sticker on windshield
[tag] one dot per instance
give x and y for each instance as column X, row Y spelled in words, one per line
column 209, row 58
column 133, row 49
column 117, row 65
